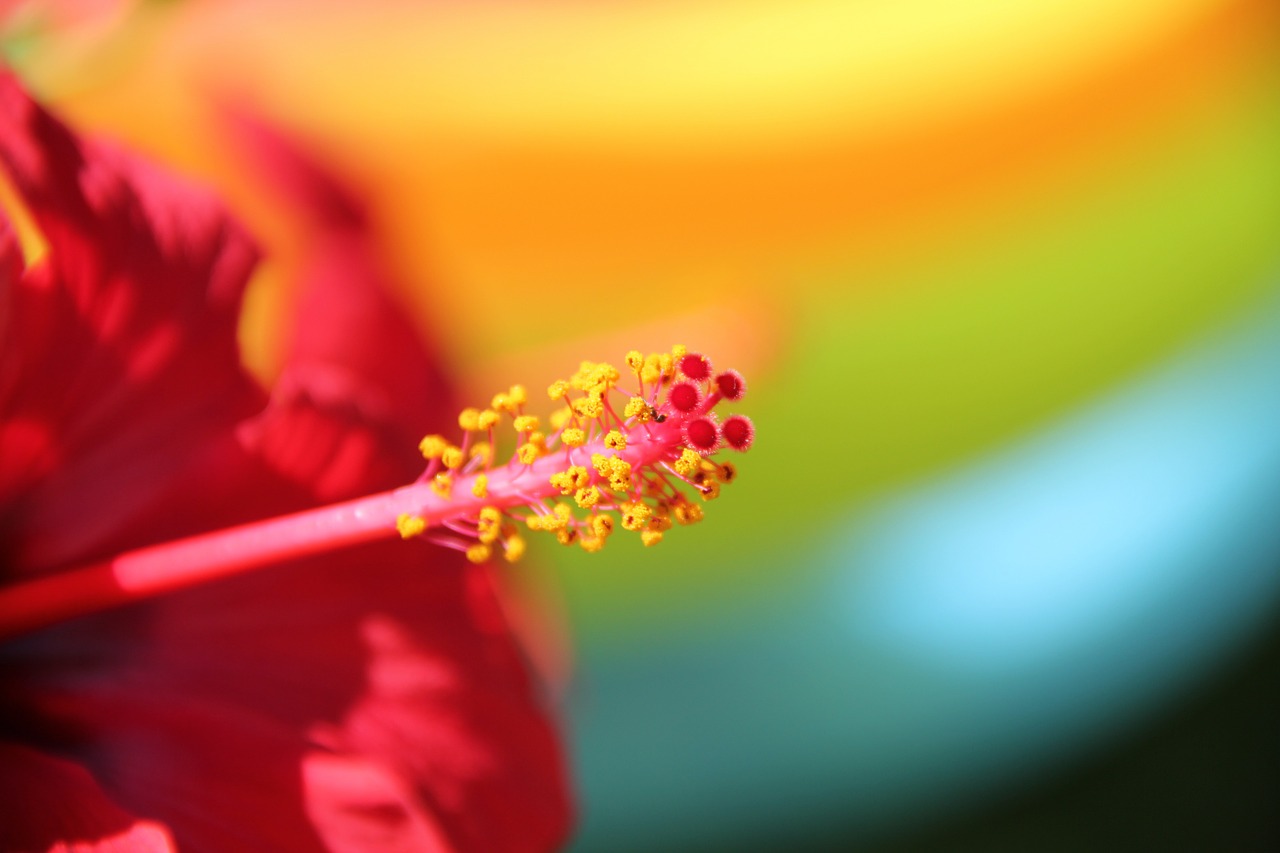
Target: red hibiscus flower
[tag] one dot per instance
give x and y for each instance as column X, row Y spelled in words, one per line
column 364, row 698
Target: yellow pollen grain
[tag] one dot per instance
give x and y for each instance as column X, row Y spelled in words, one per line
column 651, row 537
column 526, row 423
column 432, row 446
column 602, row 525
column 688, row 463
column 588, row 497
column 483, row 451
column 573, row 437
column 409, row 526
column 480, row 488
column 488, row 419
column 513, row 548
column 452, row 458
column 527, row 453
column 589, row 407
column 687, row 513
column 591, row 544
column 517, row 396
column 615, row 440
column 558, row 390
column 479, row 552
column 469, row 419
column 659, row 523
column 637, row 408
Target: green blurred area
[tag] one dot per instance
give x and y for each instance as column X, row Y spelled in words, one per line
column 962, row 347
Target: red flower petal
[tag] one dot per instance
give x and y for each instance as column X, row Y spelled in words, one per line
column 50, row 800
column 124, row 364
column 245, row 714
column 354, row 361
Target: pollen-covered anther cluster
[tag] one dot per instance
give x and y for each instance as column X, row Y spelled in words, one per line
column 627, row 449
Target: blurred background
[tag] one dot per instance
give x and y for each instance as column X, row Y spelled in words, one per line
column 1002, row 569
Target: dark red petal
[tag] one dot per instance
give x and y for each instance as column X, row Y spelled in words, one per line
column 354, row 359
column 125, row 363
column 50, row 801
column 252, row 711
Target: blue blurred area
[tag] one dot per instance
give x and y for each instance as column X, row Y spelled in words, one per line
column 964, row 635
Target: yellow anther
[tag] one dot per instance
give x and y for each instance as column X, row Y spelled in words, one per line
column 558, row 390
column 667, row 365
column 573, row 437
column 591, row 406
column 615, row 440
column 539, row 440
column 726, row 472
column 469, row 419
column 637, row 408
column 650, row 537
column 526, row 423
column 560, row 417
column 527, row 453
column 500, row 402
column 687, row 513
column 635, row 361
column 489, row 526
column 488, row 419
column 588, row 497
column 409, row 526
column 513, row 548
column 479, row 552
column 517, row 396
column 432, row 446
column 678, row 352
column 442, row 484
column 483, row 451
column 535, row 522
column 659, row 523
column 652, row 370
column 602, row 525
column 689, row 463
column 480, row 488
column 591, row 544
column 566, row 536
column 558, row 519
column 619, row 474
column 603, row 464
column 710, row 490
column 569, row 481
column 634, row 516
column 452, row 457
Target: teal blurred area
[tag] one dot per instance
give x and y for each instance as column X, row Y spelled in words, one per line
column 963, row 636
